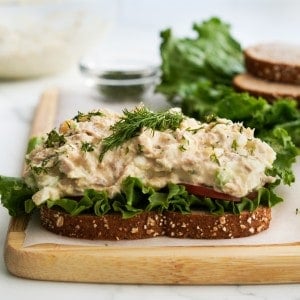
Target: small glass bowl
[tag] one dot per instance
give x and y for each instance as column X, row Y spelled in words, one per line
column 121, row 80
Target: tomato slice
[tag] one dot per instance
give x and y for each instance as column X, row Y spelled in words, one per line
column 200, row 190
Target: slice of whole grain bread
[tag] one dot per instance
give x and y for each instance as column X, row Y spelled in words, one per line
column 278, row 62
column 267, row 89
column 197, row 225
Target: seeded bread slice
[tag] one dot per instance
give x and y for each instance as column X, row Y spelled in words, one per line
column 267, row 89
column 276, row 62
column 197, row 225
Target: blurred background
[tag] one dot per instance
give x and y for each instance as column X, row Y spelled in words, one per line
column 252, row 21
column 41, row 37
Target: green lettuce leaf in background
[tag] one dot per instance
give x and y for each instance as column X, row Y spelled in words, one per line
column 214, row 55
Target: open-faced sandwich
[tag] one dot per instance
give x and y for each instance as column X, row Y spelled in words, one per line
column 143, row 174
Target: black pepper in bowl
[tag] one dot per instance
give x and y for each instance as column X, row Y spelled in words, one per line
column 124, row 81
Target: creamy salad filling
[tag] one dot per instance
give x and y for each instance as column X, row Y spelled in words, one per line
column 221, row 154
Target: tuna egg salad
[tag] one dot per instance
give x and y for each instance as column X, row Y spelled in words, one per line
column 100, row 149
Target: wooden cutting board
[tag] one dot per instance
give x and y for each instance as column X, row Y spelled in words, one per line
column 148, row 265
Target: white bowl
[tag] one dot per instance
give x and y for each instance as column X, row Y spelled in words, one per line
column 40, row 37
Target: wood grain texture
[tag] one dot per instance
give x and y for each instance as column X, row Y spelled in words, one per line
column 45, row 114
column 146, row 265
column 152, row 265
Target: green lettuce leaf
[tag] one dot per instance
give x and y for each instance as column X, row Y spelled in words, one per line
column 134, row 198
column 33, row 143
column 214, row 54
column 68, row 205
column 97, row 201
column 286, row 153
column 173, row 198
column 265, row 196
column 14, row 193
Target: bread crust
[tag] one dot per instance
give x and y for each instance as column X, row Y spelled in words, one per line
column 263, row 88
column 197, row 225
column 260, row 63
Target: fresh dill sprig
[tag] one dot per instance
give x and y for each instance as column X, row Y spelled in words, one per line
column 133, row 121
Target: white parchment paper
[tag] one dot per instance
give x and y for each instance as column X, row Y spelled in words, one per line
column 284, row 227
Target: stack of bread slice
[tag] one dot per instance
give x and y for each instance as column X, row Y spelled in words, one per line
column 273, row 71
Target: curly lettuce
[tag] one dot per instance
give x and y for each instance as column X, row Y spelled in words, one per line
column 214, row 54
column 134, row 198
column 14, row 194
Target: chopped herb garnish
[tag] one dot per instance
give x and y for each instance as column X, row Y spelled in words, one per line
column 181, row 148
column 81, row 117
column 39, row 170
column 194, row 130
column 45, row 166
column 250, row 146
column 140, row 148
column 210, row 118
column 132, row 122
column 87, row 147
column 54, row 139
column 234, row 145
column 214, row 158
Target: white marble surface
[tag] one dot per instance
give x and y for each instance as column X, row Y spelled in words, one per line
column 252, row 21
